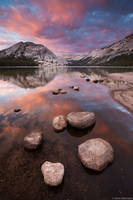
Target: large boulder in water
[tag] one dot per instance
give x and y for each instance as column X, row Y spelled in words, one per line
column 81, row 120
column 96, row 154
column 59, row 123
column 53, row 173
column 33, row 141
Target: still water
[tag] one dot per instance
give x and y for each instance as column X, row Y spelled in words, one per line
column 31, row 91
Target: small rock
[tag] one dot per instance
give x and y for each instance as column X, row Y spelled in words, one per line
column 63, row 91
column 59, row 123
column 96, row 154
column 17, row 110
column 101, row 81
column 87, row 79
column 55, row 92
column 76, row 88
column 82, row 76
column 71, row 86
column 33, row 141
column 59, row 89
column 53, row 173
column 95, row 81
column 81, row 120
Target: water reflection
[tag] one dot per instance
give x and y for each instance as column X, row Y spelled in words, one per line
column 31, row 78
column 79, row 133
column 20, row 174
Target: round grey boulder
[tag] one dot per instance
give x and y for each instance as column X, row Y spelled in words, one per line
column 95, row 154
column 53, row 173
column 33, row 141
column 81, row 120
column 59, row 123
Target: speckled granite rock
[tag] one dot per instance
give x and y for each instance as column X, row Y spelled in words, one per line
column 59, row 123
column 53, row 173
column 96, row 154
column 81, row 120
column 33, row 141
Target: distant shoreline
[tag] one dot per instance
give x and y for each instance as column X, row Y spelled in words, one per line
column 37, row 67
column 101, row 67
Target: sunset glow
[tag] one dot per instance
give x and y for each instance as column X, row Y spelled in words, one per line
column 65, row 26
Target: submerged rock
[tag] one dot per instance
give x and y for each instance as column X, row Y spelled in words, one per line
column 81, row 120
column 53, row 173
column 33, row 141
column 59, row 123
column 96, row 154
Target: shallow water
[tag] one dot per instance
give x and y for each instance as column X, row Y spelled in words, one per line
column 20, row 174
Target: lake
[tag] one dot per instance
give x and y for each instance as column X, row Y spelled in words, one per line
column 31, row 91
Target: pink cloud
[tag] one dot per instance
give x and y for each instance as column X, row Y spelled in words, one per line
column 59, row 24
column 20, row 20
column 62, row 11
column 104, row 31
column 1, row 12
column 90, row 38
column 66, row 12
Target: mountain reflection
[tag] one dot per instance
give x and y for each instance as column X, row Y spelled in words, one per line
column 31, row 78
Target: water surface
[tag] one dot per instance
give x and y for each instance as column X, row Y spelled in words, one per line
column 20, row 174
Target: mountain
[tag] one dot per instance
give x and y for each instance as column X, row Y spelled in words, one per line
column 28, row 50
column 117, row 54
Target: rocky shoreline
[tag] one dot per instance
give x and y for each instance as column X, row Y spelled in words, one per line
column 120, row 85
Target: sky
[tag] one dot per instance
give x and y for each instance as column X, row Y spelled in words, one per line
column 65, row 26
